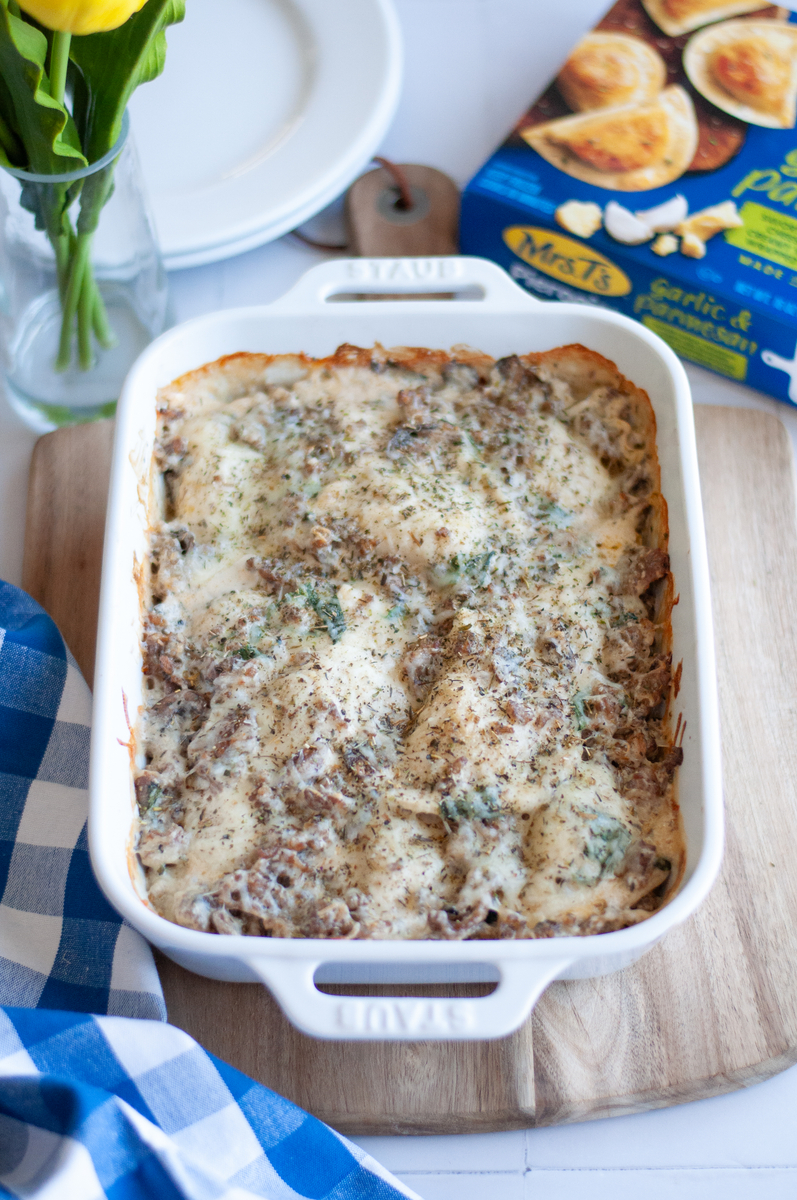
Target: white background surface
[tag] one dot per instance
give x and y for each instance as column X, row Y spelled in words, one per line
column 472, row 66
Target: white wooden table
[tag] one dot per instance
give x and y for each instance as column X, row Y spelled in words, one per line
column 471, row 68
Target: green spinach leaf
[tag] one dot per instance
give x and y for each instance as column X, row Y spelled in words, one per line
column 328, row 610
column 606, row 844
column 478, row 804
column 474, row 570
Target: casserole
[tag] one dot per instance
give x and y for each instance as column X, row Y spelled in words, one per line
column 401, row 679
column 321, row 312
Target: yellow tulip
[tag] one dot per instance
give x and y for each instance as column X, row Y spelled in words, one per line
column 81, row 16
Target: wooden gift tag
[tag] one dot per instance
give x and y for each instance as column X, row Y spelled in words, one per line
column 404, row 211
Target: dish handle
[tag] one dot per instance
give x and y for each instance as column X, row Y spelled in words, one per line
column 352, row 280
column 407, row 1018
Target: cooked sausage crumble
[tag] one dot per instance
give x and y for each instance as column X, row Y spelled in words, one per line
column 406, row 649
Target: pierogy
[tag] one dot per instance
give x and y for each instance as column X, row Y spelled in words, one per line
column 628, row 148
column 607, row 69
column 748, row 69
column 675, row 17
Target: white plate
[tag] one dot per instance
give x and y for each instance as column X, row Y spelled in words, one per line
column 266, row 111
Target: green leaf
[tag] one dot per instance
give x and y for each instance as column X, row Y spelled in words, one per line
column 148, row 796
column 114, row 64
column 478, row 804
column 12, row 152
column 43, row 126
column 624, row 617
column 548, row 512
column 397, row 612
column 577, row 704
column 328, row 610
column 474, row 571
column 607, row 841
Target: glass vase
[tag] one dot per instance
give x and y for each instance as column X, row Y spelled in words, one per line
column 82, row 286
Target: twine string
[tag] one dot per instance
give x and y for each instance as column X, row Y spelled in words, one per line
column 404, row 203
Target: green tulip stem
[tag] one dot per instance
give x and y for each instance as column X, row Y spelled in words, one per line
column 61, row 247
column 59, row 61
column 99, row 319
column 85, row 311
column 80, row 264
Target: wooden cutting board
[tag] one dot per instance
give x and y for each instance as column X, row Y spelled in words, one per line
column 711, row 1008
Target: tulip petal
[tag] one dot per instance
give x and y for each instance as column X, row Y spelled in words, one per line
column 81, row 16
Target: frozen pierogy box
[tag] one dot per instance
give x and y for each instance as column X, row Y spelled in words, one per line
column 658, row 174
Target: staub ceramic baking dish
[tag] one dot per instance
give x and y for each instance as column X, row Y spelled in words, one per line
column 329, row 306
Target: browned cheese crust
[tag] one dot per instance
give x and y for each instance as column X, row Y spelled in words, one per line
column 407, row 649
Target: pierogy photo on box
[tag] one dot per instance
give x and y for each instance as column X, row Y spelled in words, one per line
column 658, row 174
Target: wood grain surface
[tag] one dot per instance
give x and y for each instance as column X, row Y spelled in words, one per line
column 711, row 1008
column 432, row 229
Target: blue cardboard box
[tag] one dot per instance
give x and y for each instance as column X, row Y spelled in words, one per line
column 733, row 310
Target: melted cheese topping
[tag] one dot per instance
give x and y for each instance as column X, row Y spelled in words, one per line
column 403, row 679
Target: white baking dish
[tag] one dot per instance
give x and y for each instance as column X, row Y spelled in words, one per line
column 493, row 314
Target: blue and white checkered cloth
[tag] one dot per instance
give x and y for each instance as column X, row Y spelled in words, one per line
column 93, row 1104
column 61, row 943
